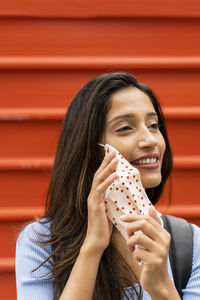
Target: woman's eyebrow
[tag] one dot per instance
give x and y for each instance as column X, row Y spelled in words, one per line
column 129, row 116
column 119, row 117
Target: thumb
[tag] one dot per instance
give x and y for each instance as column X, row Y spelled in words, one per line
column 153, row 214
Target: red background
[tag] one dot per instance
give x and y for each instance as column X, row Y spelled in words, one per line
column 48, row 50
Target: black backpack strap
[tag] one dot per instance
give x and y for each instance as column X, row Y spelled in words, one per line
column 181, row 249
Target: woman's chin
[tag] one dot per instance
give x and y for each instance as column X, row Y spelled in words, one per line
column 151, row 182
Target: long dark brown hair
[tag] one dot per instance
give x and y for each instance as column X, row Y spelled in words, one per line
column 77, row 159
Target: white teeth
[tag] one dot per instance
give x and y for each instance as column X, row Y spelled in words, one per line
column 145, row 161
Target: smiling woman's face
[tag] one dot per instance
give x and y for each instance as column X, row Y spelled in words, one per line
column 132, row 128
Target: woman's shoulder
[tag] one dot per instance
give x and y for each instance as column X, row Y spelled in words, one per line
column 34, row 237
column 32, row 247
column 196, row 229
column 196, row 241
column 36, row 229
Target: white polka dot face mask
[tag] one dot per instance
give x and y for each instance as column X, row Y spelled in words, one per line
column 126, row 195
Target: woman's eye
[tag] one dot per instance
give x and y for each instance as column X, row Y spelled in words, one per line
column 122, row 129
column 155, row 126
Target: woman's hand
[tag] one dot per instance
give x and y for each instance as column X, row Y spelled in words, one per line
column 152, row 250
column 99, row 226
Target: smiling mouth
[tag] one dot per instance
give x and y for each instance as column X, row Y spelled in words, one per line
column 146, row 161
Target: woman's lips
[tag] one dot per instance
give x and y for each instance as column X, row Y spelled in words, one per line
column 147, row 166
column 147, row 163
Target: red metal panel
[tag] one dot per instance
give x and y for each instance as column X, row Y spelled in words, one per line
column 40, row 89
column 103, row 8
column 184, row 136
column 185, row 183
column 9, row 232
column 29, row 138
column 7, row 285
column 127, row 37
column 56, row 88
column 23, row 188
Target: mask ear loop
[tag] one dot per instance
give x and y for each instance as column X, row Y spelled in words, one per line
column 105, row 147
column 102, row 145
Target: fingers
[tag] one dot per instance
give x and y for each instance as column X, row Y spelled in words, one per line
column 132, row 218
column 152, row 237
column 141, row 255
column 141, row 240
column 155, row 258
column 103, row 178
column 106, row 183
column 146, row 224
column 104, row 175
column 107, row 159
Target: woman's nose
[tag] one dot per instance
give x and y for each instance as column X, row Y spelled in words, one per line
column 147, row 139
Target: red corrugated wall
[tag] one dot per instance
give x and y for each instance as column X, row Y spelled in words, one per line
column 48, row 50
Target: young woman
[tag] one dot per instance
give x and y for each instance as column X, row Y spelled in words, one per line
column 74, row 252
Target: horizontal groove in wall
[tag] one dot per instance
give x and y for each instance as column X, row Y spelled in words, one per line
column 98, row 62
column 181, row 211
column 32, row 164
column 42, row 164
column 26, row 114
column 20, row 214
column 182, row 112
column 7, row 264
column 186, row 162
column 102, row 16
column 28, row 213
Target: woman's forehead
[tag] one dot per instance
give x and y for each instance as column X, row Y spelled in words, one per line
column 129, row 101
